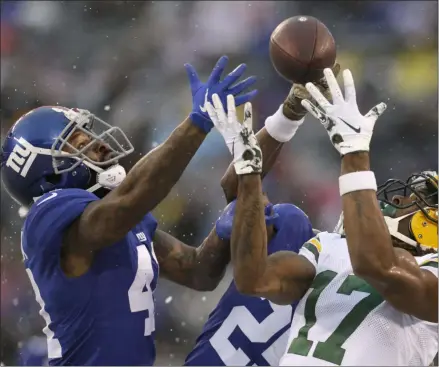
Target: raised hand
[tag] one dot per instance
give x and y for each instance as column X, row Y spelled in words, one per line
column 239, row 138
column 292, row 107
column 348, row 129
column 202, row 92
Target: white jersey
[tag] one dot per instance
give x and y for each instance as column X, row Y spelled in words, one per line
column 342, row 320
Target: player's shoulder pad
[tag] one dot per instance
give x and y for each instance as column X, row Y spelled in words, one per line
column 54, row 211
column 60, row 197
column 314, row 246
column 290, row 212
column 320, row 242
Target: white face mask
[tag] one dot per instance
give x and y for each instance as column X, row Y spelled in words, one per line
column 392, row 225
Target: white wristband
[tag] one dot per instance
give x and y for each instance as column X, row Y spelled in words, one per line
column 280, row 127
column 356, row 181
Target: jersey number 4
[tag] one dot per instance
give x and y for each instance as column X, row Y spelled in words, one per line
column 331, row 350
column 140, row 292
column 139, row 296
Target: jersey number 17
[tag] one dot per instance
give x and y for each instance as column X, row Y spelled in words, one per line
column 331, row 350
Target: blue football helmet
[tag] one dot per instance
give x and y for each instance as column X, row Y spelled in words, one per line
column 37, row 156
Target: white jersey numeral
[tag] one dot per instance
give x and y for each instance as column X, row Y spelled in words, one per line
column 256, row 332
column 140, row 292
column 53, row 345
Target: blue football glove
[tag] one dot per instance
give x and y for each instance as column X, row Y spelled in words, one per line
column 224, row 223
column 202, row 92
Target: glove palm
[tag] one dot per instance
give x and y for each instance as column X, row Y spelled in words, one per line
column 239, row 138
column 202, row 92
column 348, row 129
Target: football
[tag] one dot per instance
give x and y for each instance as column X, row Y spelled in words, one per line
column 300, row 48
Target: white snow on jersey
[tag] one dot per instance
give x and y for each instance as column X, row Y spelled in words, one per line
column 369, row 330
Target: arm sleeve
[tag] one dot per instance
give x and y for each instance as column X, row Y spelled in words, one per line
column 49, row 217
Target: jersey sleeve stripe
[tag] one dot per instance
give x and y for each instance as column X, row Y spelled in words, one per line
column 432, row 264
column 313, row 249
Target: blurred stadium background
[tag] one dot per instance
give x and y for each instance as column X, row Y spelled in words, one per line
column 123, row 60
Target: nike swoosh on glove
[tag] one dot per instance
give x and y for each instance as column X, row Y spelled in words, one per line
column 348, row 129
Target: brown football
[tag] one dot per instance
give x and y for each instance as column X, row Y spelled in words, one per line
column 300, row 48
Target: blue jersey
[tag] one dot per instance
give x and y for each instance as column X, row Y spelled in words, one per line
column 247, row 331
column 106, row 316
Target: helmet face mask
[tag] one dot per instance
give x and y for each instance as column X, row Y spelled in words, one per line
column 413, row 221
column 420, row 187
column 98, row 131
column 421, row 210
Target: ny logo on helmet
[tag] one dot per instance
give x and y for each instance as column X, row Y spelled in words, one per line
column 22, row 157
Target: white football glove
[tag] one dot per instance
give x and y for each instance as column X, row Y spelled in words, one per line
column 348, row 129
column 240, row 139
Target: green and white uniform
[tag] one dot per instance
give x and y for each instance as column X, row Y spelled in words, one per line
column 342, row 320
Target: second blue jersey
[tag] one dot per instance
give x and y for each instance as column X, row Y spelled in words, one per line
column 247, row 331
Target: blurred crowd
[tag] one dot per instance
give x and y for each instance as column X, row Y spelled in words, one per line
column 123, row 60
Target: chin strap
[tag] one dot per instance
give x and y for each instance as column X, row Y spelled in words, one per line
column 109, row 178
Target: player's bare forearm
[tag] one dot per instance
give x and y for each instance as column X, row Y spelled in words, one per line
column 151, row 179
column 270, row 151
column 249, row 234
column 393, row 272
column 282, row 277
column 200, row 268
column 370, row 244
column 106, row 221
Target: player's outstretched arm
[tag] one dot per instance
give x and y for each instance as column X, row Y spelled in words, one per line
column 200, row 268
column 393, row 272
column 278, row 130
column 282, row 277
column 270, row 149
column 106, row 221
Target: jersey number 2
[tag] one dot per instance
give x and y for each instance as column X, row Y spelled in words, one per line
column 256, row 332
column 331, row 350
column 140, row 292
